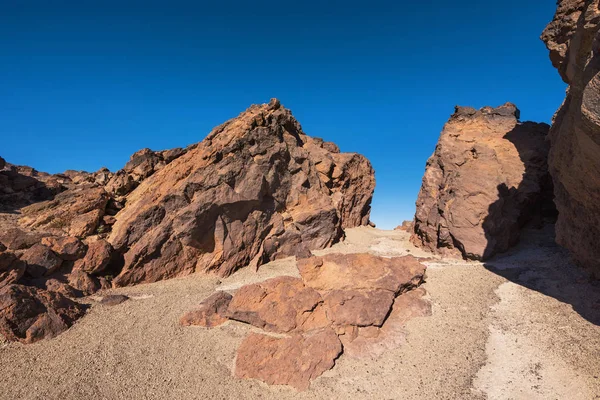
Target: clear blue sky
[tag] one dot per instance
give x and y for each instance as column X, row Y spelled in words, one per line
column 87, row 83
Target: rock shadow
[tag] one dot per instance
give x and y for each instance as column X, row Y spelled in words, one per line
column 530, row 256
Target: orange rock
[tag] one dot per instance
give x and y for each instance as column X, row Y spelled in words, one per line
column 67, row 247
column 293, row 361
column 97, row 258
column 358, row 308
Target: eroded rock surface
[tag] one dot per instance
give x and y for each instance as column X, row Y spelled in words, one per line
column 487, row 177
column 256, row 189
column 210, row 313
column 574, row 162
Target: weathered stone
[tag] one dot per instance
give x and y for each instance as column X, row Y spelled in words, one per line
column 11, row 269
column 293, row 361
column 247, row 194
column 487, row 177
column 41, row 261
column 280, row 304
column 28, row 314
column 358, row 308
column 113, row 300
column 97, row 259
column 84, row 282
column 210, row 313
column 574, row 162
column 66, row 247
column 361, row 272
column 75, row 212
column 55, row 285
column 18, row 239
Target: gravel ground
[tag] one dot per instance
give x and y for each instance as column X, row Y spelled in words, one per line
column 524, row 326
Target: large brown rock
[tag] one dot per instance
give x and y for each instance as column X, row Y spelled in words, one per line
column 280, row 305
column 361, row 272
column 11, row 268
column 74, row 212
column 67, row 247
column 358, row 308
column 97, row 258
column 487, row 177
column 41, row 261
column 293, row 361
column 574, row 162
column 256, row 189
column 29, row 314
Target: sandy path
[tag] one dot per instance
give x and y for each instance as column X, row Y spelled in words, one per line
column 487, row 337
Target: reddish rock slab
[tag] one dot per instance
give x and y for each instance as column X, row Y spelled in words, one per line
column 358, row 308
column 18, row 239
column 281, row 304
column 361, row 272
column 41, row 261
column 97, row 258
column 58, row 286
column 28, row 314
column 66, row 247
column 372, row 341
column 210, row 313
column 293, row 361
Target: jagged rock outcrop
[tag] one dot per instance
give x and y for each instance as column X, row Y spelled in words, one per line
column 573, row 39
column 487, row 177
column 256, row 189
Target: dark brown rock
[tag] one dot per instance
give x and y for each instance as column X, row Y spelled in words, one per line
column 254, row 190
column 41, row 261
column 486, row 178
column 28, row 314
column 97, row 259
column 55, row 285
column 280, row 304
column 293, row 361
column 18, row 239
column 11, row 268
column 84, row 282
column 210, row 313
column 113, row 300
column 2, row 163
column 573, row 40
column 66, row 247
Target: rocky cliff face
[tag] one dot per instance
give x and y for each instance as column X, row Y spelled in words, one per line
column 487, row 177
column 573, row 40
column 256, row 189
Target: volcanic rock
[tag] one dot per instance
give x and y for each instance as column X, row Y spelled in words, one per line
column 84, row 282
column 97, row 259
column 256, row 189
column 210, row 313
column 358, row 308
column 75, row 212
column 574, row 162
column 11, row 268
column 67, row 247
column 293, row 361
column 361, row 272
column 2, row 163
column 113, row 300
column 18, row 239
column 487, row 177
column 29, row 314
column 41, row 261
column 281, row 304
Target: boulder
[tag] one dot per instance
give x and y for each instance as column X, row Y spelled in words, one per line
column 41, row 261
column 574, row 162
column 210, row 313
column 293, row 361
column 11, row 268
column 113, row 300
column 361, row 272
column 358, row 308
column 84, row 282
column 281, row 304
column 66, row 247
column 256, row 189
column 28, row 314
column 97, row 259
column 58, row 286
column 74, row 212
column 487, row 177
column 18, row 239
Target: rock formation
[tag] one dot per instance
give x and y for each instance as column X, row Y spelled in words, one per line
column 341, row 301
column 574, row 161
column 256, row 189
column 487, row 177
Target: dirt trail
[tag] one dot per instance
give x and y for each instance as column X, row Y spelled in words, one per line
column 524, row 326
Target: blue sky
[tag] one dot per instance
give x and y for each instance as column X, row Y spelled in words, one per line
column 85, row 84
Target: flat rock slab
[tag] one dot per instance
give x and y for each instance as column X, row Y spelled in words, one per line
column 210, row 313
column 358, row 308
column 293, row 361
column 113, row 299
column 361, row 272
column 281, row 304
